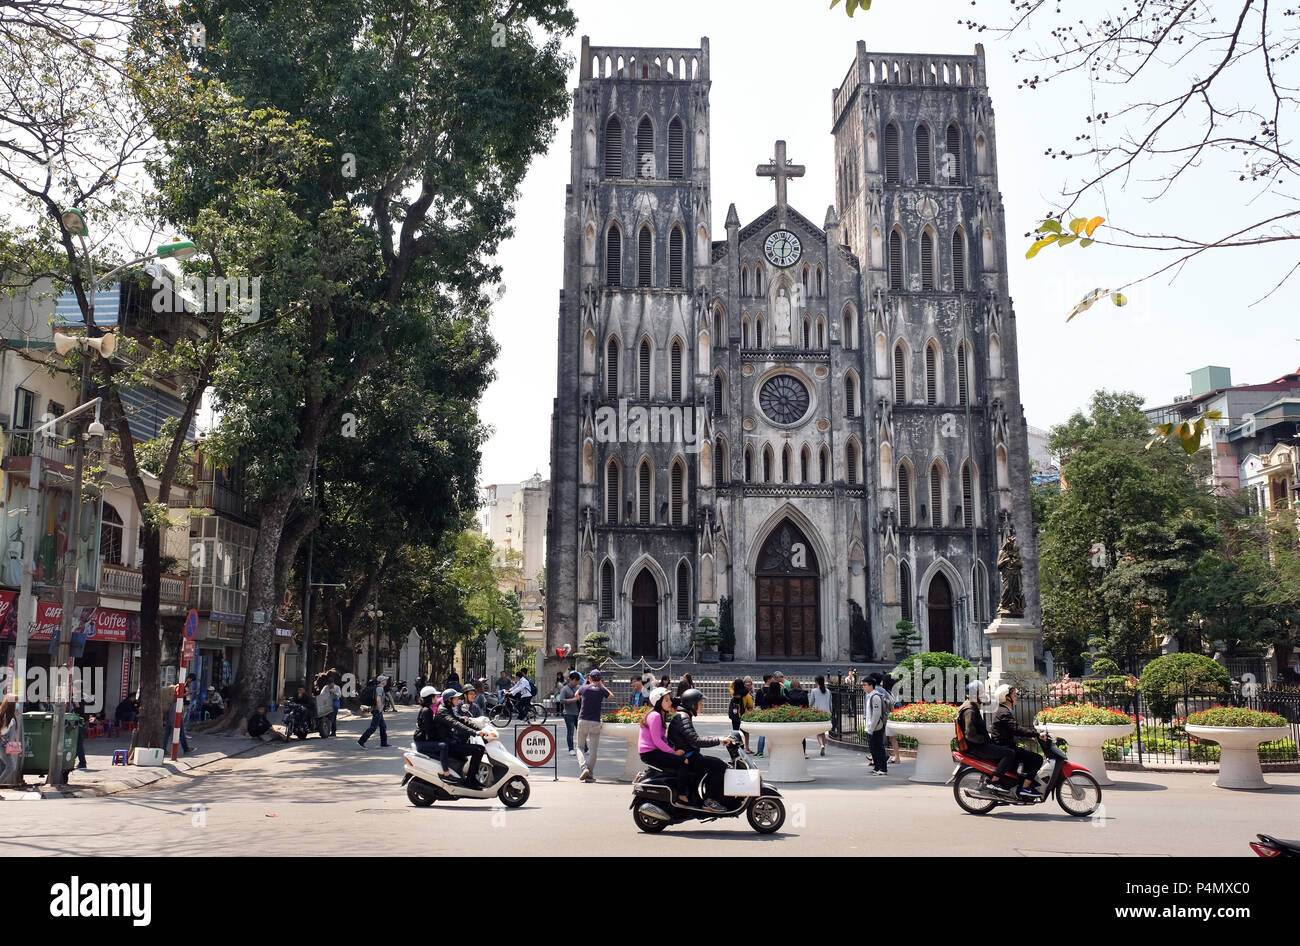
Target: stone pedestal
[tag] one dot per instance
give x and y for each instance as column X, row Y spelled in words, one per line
column 1012, row 641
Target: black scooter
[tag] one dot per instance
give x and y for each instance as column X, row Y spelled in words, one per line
column 655, row 804
column 1269, row 846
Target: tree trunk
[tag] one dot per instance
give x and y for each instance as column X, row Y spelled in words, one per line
column 149, row 732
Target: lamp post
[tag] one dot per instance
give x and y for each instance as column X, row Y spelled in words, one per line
column 74, row 221
column 375, row 614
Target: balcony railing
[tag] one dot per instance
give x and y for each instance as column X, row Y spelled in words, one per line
column 118, row 581
column 220, row 499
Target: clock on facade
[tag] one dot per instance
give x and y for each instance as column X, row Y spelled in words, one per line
column 783, row 399
column 782, row 248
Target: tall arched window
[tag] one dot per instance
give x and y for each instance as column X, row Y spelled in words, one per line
column 927, row 261
column 850, row 336
column 851, row 462
column 719, row 326
column 718, row 398
column 675, row 371
column 896, row 260
column 612, row 491
column 821, row 284
column 677, row 494
column 824, row 465
column 643, row 370
column 931, row 374
column 904, row 495
column 850, row 395
column 744, row 280
column 963, row 392
column 807, row 332
column 892, row 159
column 805, row 458
column 611, row 368
column 936, row 496
column 607, row 590
column 645, row 493
column 958, row 261
column 719, row 463
column 967, row 495
column 749, row 465
column 676, row 258
column 644, row 256
column 923, row 156
column 613, row 147
column 758, row 331
column 758, row 279
column 900, row 374
column 683, row 591
column 953, row 158
column 979, row 587
column 676, row 150
column 110, row 536
column 645, row 149
column 768, row 463
column 744, row 332
column 905, row 589
column 821, row 332
column 614, row 256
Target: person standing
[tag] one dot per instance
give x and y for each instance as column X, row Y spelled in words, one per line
column 336, row 694
column 686, row 684
column 819, row 698
column 377, row 716
column 590, row 696
column 8, row 729
column 877, row 717
column 639, row 695
column 569, row 700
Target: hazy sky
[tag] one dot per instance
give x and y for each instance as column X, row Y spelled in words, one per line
column 1204, row 316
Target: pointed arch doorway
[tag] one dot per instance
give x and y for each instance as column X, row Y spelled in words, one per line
column 645, row 616
column 787, row 592
column 939, row 614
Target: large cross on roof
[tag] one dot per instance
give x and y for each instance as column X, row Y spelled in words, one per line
column 780, row 169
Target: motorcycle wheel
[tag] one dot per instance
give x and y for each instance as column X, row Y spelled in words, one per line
column 500, row 716
column 301, row 732
column 323, row 727
column 1079, row 795
column 766, row 814
column 484, row 774
column 419, row 794
column 536, row 714
column 646, row 823
column 514, row 792
column 970, row 779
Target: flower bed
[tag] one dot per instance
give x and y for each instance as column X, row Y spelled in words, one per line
column 925, row 713
column 626, row 714
column 786, row 714
column 1234, row 716
column 1082, row 714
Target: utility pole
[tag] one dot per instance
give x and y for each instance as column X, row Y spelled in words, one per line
column 26, row 601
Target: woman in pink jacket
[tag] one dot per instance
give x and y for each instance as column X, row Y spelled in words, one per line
column 652, row 745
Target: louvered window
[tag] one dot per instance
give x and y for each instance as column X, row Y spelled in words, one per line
column 643, row 371
column 758, row 332
column 904, row 496
column 927, row 262
column 645, row 149
column 611, row 493
column 923, row 156
column 677, row 512
column 850, row 396
column 744, row 280
column 613, row 148
column 807, row 333
column 936, row 497
column 785, row 465
column 962, row 394
column 767, row 464
column 683, row 592
column 820, row 281
column 749, row 465
column 614, row 257
column 823, row 464
column 675, row 259
column 611, row 369
column 848, row 330
column 676, row 151
column 931, row 376
column 896, row 261
column 719, row 464
column 900, row 375
column 607, row 590
column 803, row 466
column 892, row 175
column 676, row 370
column 905, row 589
column 851, row 461
column 953, row 158
column 644, row 257
column 758, row 280
column 958, row 262
column 717, row 395
column 967, row 497
column 644, row 483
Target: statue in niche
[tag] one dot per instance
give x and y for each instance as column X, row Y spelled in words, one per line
column 781, row 318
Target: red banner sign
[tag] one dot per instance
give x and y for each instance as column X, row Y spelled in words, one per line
column 98, row 624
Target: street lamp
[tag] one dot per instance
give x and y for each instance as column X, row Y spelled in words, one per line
column 375, row 614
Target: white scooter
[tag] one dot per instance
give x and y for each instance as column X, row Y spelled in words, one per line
column 500, row 773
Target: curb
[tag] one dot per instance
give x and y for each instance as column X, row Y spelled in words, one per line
column 149, row 775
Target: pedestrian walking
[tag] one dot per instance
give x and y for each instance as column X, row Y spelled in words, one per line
column 79, row 708
column 819, row 698
column 569, row 700
column 590, row 696
column 377, row 716
column 9, row 760
column 891, row 740
column 877, row 717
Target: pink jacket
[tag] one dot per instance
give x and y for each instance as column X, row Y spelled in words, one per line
column 652, row 735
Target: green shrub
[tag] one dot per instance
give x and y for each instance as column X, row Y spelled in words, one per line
column 907, row 742
column 786, row 714
column 1167, row 678
column 1104, row 667
column 1234, row 716
column 1112, row 751
column 925, row 713
column 1082, row 714
column 1200, row 752
column 1279, row 750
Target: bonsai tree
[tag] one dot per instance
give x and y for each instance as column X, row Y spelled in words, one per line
column 859, row 632
column 904, row 639
column 1166, row 679
column 595, row 648
column 726, row 626
column 706, row 637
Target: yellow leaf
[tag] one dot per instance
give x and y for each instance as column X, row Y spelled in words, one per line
column 1077, row 224
column 1045, row 241
column 1119, row 298
column 1093, row 224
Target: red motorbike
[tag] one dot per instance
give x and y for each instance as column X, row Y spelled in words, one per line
column 977, row 792
column 1269, row 846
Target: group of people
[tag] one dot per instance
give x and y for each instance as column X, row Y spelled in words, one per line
column 775, row 691
column 443, row 728
column 1002, row 745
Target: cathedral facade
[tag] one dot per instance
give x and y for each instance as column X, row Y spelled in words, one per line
column 798, row 418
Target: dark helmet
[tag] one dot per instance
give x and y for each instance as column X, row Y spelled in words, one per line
column 691, row 700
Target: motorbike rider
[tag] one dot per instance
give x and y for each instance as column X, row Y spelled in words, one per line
column 651, row 745
column 1007, row 733
column 682, row 735
column 450, row 729
column 970, row 721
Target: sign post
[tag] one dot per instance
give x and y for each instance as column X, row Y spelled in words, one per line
column 187, row 655
column 535, row 746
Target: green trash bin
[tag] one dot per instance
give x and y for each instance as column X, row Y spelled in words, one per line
column 36, row 742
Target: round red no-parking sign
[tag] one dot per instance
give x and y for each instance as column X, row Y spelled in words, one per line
column 535, row 746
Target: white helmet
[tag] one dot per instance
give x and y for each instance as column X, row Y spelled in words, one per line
column 1000, row 694
column 427, row 692
column 657, row 694
column 976, row 691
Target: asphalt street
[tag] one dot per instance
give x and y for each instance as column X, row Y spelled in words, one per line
column 313, row 797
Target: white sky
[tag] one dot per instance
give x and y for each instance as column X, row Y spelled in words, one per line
column 772, row 72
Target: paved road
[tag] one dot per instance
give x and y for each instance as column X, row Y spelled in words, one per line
column 310, row 797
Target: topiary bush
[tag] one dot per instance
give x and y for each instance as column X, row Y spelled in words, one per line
column 1104, row 667
column 1166, row 679
column 1234, row 716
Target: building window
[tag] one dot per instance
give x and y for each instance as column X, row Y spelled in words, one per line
column 923, row 155
column 676, row 150
column 683, row 592
column 850, row 340
column 717, row 395
column 823, row 465
column 851, row 461
column 892, row 162
column 850, row 396
column 758, row 331
column 758, row 280
column 613, row 147
column 953, row 158
column 611, row 368
column 645, row 149
column 614, row 257
column 936, row 496
column 677, row 515
column 785, row 465
column 900, row 374
column 612, row 492
column 958, row 261
column 675, row 382
column 110, row 536
column 905, row 589
column 644, row 490
column 904, row 496
column 676, row 255
column 607, row 590
column 821, row 286
column 962, row 391
column 749, row 465
column 931, row 374
column 644, row 256
column 896, row 261
column 967, row 496
column 744, row 280
column 767, row 463
column 803, row 464
column 719, row 464
column 927, row 261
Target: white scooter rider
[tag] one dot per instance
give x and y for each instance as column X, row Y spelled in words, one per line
column 441, row 734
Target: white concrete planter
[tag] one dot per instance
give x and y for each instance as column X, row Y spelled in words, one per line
column 630, row 733
column 1085, row 744
column 933, row 752
column 784, row 749
column 1239, row 756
